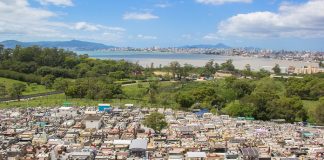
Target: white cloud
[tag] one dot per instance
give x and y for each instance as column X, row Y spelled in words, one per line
column 86, row 26
column 117, row 29
column 17, row 17
column 186, row 36
column 146, row 37
column 96, row 27
column 113, row 36
column 291, row 20
column 162, row 5
column 211, row 36
column 139, row 16
column 57, row 2
column 19, row 20
column 219, row 2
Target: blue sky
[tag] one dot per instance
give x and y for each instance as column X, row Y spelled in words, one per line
column 272, row 24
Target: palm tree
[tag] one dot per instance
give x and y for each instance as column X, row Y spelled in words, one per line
column 152, row 91
column 174, row 66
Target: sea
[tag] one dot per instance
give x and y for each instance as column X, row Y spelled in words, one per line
column 164, row 58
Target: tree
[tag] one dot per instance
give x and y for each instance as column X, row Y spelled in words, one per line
column 209, row 68
column 185, row 70
column 155, row 121
column 319, row 112
column 185, row 101
column 61, row 84
column 290, row 109
column 175, row 66
column 1, row 49
column 16, row 90
column 242, row 87
column 276, row 69
column 117, row 75
column 77, row 89
column 94, row 91
column 248, row 67
column 260, row 100
column 228, row 65
column 3, row 91
column 105, row 92
column 247, row 70
column 239, row 109
column 48, row 81
column 82, row 69
column 152, row 90
column 270, row 85
column 309, row 87
column 213, row 111
column 317, row 90
column 218, row 102
column 261, row 74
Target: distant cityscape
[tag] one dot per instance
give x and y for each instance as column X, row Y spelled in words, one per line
column 307, row 56
column 217, row 49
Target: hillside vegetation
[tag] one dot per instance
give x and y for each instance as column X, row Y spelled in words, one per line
column 246, row 93
column 31, row 88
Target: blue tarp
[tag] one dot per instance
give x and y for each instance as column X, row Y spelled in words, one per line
column 104, row 107
column 201, row 112
column 40, row 124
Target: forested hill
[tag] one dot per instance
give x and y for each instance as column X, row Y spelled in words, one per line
column 31, row 63
column 71, row 45
column 71, row 73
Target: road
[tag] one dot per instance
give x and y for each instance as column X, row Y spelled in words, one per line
column 31, row 96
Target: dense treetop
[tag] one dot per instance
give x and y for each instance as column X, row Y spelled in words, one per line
column 61, row 63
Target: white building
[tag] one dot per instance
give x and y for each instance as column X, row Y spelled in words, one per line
column 66, row 111
column 308, row 70
column 196, row 155
column 92, row 121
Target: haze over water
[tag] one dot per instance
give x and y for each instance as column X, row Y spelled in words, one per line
column 162, row 58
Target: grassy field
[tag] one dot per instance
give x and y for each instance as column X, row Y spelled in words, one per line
column 48, row 101
column 166, row 94
column 134, row 93
column 138, row 93
column 31, row 88
column 134, row 90
column 60, row 99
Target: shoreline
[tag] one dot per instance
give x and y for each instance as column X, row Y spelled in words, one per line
column 184, row 53
column 195, row 59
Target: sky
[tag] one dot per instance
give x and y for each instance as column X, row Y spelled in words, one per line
column 270, row 24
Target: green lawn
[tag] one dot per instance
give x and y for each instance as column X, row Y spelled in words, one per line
column 167, row 92
column 60, row 99
column 32, row 88
column 48, row 101
column 57, row 100
column 137, row 90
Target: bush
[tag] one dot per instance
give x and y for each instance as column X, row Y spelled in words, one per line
column 20, row 76
column 57, row 72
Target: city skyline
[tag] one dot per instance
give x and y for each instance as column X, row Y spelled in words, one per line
column 272, row 24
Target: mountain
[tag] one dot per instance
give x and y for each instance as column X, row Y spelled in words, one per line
column 219, row 45
column 71, row 45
